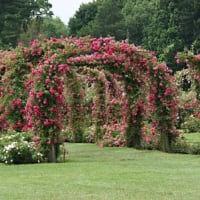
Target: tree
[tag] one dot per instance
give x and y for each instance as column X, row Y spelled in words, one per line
column 80, row 24
column 47, row 27
column 162, row 35
column 189, row 20
column 109, row 20
column 99, row 18
column 15, row 16
column 137, row 15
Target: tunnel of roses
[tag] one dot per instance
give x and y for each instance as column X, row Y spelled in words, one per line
column 114, row 88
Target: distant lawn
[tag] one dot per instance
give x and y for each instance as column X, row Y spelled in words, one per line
column 193, row 138
column 92, row 173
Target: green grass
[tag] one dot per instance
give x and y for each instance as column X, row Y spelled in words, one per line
column 193, row 138
column 92, row 173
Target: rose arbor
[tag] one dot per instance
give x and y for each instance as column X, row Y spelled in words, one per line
column 49, row 68
column 193, row 63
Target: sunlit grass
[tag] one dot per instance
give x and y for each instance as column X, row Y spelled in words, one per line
column 192, row 138
column 93, row 173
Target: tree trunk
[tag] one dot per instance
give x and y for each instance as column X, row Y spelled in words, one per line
column 52, row 154
column 164, row 142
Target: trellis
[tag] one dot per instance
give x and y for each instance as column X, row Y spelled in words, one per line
column 50, row 64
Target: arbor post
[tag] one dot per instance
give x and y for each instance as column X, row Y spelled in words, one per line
column 52, row 153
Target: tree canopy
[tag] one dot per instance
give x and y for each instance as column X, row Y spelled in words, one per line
column 15, row 16
column 48, row 27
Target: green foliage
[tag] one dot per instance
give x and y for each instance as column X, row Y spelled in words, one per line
column 185, row 145
column 190, row 101
column 195, row 149
column 187, row 106
column 15, row 16
column 53, row 27
column 180, row 146
column 191, row 124
column 193, row 138
column 80, row 24
column 99, row 18
column 162, row 34
column 137, row 15
column 109, row 20
column 189, row 20
column 47, row 27
column 87, row 137
column 75, row 99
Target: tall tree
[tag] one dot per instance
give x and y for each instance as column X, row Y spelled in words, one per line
column 190, row 20
column 110, row 20
column 15, row 15
column 80, row 23
column 162, row 35
column 48, row 27
column 137, row 14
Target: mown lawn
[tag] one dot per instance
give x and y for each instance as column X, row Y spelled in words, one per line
column 192, row 138
column 93, row 173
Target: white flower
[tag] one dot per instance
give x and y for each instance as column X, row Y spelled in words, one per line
column 10, row 146
column 40, row 154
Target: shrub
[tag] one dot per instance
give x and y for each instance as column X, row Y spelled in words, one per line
column 68, row 135
column 21, row 152
column 192, row 124
column 150, row 142
column 195, row 149
column 88, row 135
column 180, row 145
column 113, row 139
column 19, row 148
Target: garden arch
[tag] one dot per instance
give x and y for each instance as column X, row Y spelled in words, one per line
column 148, row 84
column 192, row 62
